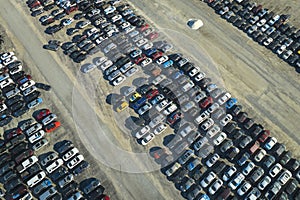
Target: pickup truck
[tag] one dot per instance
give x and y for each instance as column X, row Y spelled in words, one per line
column 26, row 164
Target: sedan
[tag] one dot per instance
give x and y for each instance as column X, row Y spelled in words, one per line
column 210, row 162
column 118, row 80
column 144, row 109
column 160, row 128
column 34, row 103
column 215, row 186
column 148, row 139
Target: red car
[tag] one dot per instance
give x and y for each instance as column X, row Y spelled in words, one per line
column 153, row 36
column 139, row 59
column 12, row 134
column 264, row 136
column 173, row 118
column 71, row 9
column 34, row 4
column 52, row 126
column 156, row 55
column 206, row 102
column 152, row 93
column 43, row 113
column 144, row 27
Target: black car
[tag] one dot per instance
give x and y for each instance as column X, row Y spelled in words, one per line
column 80, row 58
column 18, row 149
column 16, row 106
column 70, row 188
column 60, row 16
column 17, row 75
column 8, row 88
column 12, row 184
column 53, row 29
column 79, row 16
column 57, row 174
column 71, row 31
column 75, row 54
column 30, row 171
column 20, row 112
column 13, row 100
column 49, row 7
column 5, row 121
column 65, row 146
column 32, row 96
column 52, row 47
column 144, row 89
column 43, row 86
column 37, row 12
column 80, row 168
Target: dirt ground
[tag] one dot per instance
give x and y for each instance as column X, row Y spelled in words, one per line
column 267, row 87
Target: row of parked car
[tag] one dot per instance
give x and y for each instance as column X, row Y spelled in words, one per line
column 264, row 26
column 204, row 108
column 19, row 92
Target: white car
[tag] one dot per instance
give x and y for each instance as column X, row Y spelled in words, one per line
column 36, row 179
column 287, row 54
column 207, row 124
column 159, row 79
column 199, row 76
column 142, row 132
column 26, row 164
column 67, row 156
column 54, row 165
column 229, row 173
column 274, row 171
column 268, row 41
column 36, row 136
column 88, row 68
column 210, row 162
column 106, row 65
column 272, row 21
column 160, row 128
column 116, row 18
column 281, row 49
column 6, row 82
column 194, row 71
column 100, row 61
column 270, row 143
column 92, row 31
column 68, row 22
column 146, row 62
column 213, row 107
column 118, row 80
column 125, row 25
column 148, row 139
column 26, row 85
column 215, row 186
column 260, row 155
column 265, row 181
column 236, row 181
column 224, row 98
column 248, row 168
column 49, row 119
column 225, row 120
column 145, row 108
column 3, row 107
column 203, row 116
column 162, row 59
column 141, row 42
column 75, row 161
column 208, row 179
column 213, row 131
column 33, row 128
column 133, row 33
column 7, row 55
column 220, row 138
column 9, row 60
column 131, row 71
column 244, row 188
column 171, row 108
column 162, row 105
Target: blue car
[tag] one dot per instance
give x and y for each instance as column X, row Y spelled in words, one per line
column 167, row 64
column 204, row 197
column 177, row 74
column 139, row 102
column 243, row 159
column 151, row 51
column 230, row 103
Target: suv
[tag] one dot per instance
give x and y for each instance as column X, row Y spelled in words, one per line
column 91, row 186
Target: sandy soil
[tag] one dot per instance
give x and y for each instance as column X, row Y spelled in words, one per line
column 250, row 72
